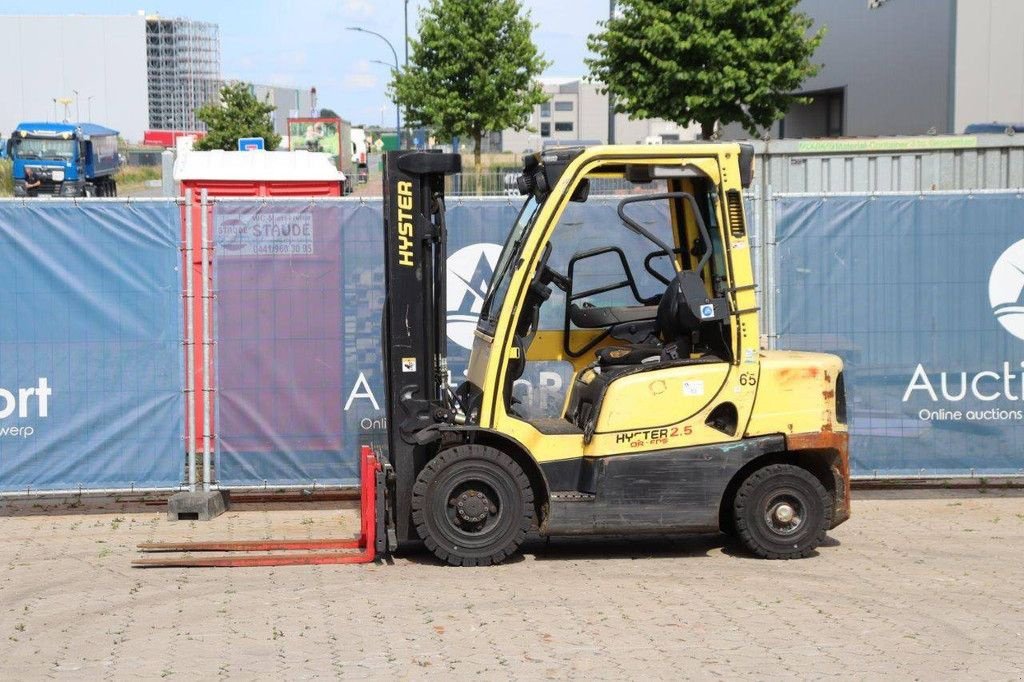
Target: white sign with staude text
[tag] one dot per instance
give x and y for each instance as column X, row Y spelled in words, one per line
column 266, row 234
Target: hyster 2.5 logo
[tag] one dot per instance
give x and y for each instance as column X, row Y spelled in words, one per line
column 1005, row 286
column 469, row 273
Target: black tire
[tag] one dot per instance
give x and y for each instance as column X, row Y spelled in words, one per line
column 472, row 505
column 89, row 191
column 764, row 501
column 113, row 187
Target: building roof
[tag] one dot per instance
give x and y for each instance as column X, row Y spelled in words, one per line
column 256, row 166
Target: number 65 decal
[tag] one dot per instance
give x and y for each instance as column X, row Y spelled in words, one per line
column 747, row 379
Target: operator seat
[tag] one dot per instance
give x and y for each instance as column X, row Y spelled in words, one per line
column 672, row 326
column 675, row 324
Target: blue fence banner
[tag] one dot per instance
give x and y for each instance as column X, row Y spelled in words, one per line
column 299, row 294
column 921, row 296
column 91, row 363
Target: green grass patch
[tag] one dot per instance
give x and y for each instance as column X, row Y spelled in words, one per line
column 6, row 178
column 136, row 175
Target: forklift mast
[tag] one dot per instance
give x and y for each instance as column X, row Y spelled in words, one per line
column 413, row 326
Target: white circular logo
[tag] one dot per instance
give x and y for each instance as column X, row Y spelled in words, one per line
column 1005, row 286
column 469, row 274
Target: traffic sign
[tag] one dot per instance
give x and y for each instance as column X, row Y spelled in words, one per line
column 250, row 144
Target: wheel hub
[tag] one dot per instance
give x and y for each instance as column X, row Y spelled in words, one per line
column 784, row 513
column 472, row 506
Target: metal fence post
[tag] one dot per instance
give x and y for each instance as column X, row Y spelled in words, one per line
column 190, row 345
column 167, row 173
column 207, row 252
column 768, row 268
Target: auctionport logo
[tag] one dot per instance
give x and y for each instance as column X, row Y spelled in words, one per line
column 1005, row 286
column 1005, row 291
column 469, row 274
column 23, row 403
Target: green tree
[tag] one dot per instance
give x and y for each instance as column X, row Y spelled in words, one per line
column 705, row 61
column 238, row 114
column 473, row 69
column 328, row 113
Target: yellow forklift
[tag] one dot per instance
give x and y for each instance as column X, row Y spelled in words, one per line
column 675, row 419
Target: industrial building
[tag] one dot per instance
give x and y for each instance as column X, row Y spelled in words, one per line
column 888, row 67
column 47, row 59
column 183, row 70
column 909, row 67
column 131, row 73
column 289, row 103
column 577, row 112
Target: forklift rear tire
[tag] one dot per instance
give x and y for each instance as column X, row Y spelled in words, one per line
column 472, row 506
column 782, row 512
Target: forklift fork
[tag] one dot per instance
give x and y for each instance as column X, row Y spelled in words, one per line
column 371, row 542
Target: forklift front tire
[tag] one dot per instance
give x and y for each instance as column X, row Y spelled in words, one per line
column 472, row 505
column 782, row 512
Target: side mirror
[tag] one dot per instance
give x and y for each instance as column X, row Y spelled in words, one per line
column 581, row 192
column 746, row 161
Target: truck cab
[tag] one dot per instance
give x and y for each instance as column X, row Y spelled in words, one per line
column 674, row 418
column 63, row 160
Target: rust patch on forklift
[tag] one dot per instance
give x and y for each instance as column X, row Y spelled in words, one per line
column 838, row 442
column 791, row 374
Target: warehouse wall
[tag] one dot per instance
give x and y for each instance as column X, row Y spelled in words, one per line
column 989, row 62
column 43, row 58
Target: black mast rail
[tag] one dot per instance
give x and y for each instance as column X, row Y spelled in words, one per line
column 414, row 319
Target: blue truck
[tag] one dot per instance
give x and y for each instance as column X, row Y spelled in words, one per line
column 64, row 160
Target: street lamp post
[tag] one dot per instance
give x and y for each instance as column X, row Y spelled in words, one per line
column 66, row 101
column 390, row 67
column 398, row 115
column 611, row 97
column 78, row 111
column 88, row 105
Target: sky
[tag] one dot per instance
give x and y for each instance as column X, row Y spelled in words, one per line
column 300, row 44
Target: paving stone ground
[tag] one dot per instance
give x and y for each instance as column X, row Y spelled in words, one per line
column 923, row 588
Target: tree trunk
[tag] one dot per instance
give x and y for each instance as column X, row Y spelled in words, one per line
column 707, row 129
column 477, row 165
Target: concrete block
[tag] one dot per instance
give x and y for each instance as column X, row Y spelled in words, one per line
column 197, row 506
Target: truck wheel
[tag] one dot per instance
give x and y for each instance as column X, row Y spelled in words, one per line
column 89, row 191
column 782, row 512
column 472, row 506
column 113, row 187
